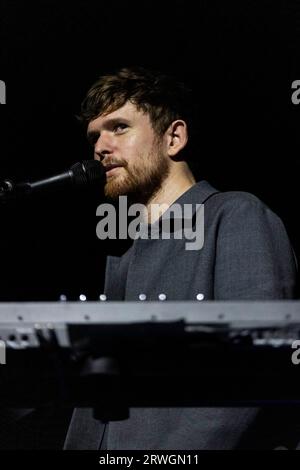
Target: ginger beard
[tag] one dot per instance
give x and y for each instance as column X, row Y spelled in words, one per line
column 141, row 178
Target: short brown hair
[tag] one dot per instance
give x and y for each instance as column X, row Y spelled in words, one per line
column 161, row 96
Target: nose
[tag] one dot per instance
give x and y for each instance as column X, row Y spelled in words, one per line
column 103, row 147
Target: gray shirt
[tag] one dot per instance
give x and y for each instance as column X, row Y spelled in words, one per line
column 246, row 256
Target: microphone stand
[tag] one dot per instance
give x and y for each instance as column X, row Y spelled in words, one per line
column 10, row 191
column 79, row 174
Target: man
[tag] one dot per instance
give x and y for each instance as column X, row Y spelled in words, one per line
column 139, row 123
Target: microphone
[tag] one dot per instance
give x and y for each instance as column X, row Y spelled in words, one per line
column 82, row 173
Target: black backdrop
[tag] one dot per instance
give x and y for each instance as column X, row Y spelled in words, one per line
column 241, row 58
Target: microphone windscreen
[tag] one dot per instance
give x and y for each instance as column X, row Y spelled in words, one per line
column 87, row 172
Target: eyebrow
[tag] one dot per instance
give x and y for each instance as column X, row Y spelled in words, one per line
column 107, row 124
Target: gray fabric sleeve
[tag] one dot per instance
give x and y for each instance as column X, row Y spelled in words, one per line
column 254, row 257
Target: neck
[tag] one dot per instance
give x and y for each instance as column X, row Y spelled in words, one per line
column 179, row 180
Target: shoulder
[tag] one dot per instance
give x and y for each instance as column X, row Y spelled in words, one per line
column 227, row 200
column 233, row 199
column 242, row 211
column 239, row 202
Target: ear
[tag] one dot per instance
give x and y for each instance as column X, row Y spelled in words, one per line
column 177, row 137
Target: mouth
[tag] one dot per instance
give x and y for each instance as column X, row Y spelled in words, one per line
column 111, row 169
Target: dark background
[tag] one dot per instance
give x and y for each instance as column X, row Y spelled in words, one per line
column 240, row 57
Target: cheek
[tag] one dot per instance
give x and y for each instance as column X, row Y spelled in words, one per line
column 133, row 142
column 126, row 148
column 136, row 149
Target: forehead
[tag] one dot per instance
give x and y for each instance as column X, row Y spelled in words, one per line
column 128, row 112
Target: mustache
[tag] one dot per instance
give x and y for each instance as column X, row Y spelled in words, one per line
column 114, row 162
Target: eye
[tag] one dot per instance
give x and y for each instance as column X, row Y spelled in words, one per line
column 118, row 128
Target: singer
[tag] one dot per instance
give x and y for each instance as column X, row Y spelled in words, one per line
column 140, row 124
